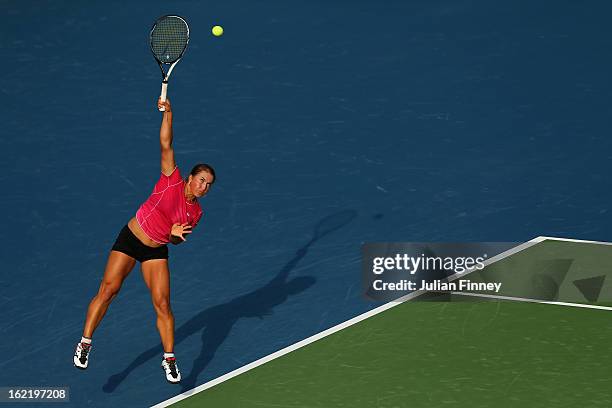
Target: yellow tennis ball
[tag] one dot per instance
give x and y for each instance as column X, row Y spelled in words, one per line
column 217, row 31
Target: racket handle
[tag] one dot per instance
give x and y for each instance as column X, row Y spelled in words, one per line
column 164, row 93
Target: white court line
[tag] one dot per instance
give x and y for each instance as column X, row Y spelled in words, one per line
column 349, row 323
column 545, row 302
column 579, row 241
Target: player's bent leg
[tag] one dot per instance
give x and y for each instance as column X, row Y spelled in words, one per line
column 157, row 277
column 118, row 267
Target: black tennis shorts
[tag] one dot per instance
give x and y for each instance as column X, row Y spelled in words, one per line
column 130, row 245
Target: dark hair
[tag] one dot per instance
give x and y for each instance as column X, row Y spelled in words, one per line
column 198, row 168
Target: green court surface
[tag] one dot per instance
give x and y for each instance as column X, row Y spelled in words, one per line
column 465, row 353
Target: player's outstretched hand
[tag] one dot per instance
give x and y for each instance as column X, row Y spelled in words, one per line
column 180, row 230
column 165, row 104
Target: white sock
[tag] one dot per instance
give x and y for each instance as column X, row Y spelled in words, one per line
column 166, row 355
column 86, row 340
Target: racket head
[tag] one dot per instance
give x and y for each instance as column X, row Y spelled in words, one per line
column 169, row 38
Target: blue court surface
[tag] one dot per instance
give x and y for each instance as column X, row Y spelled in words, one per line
column 329, row 123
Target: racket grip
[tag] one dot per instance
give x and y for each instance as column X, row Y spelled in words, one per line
column 164, row 93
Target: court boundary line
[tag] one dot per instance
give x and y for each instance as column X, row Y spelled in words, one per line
column 578, row 241
column 355, row 320
column 528, row 300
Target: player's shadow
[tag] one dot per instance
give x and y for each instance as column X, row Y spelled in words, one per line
column 217, row 321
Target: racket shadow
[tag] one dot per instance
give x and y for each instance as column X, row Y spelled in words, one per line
column 216, row 322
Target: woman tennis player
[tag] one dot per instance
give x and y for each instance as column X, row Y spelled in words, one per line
column 168, row 216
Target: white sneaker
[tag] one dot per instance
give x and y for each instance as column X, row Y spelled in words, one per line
column 173, row 375
column 81, row 355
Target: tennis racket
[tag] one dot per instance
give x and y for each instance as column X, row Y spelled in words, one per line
column 169, row 38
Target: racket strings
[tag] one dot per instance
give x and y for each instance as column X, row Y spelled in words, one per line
column 169, row 38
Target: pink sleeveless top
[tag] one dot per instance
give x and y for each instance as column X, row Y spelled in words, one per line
column 167, row 206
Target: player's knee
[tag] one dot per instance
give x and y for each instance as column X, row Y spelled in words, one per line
column 108, row 291
column 162, row 306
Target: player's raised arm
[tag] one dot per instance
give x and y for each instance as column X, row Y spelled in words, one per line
column 165, row 138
